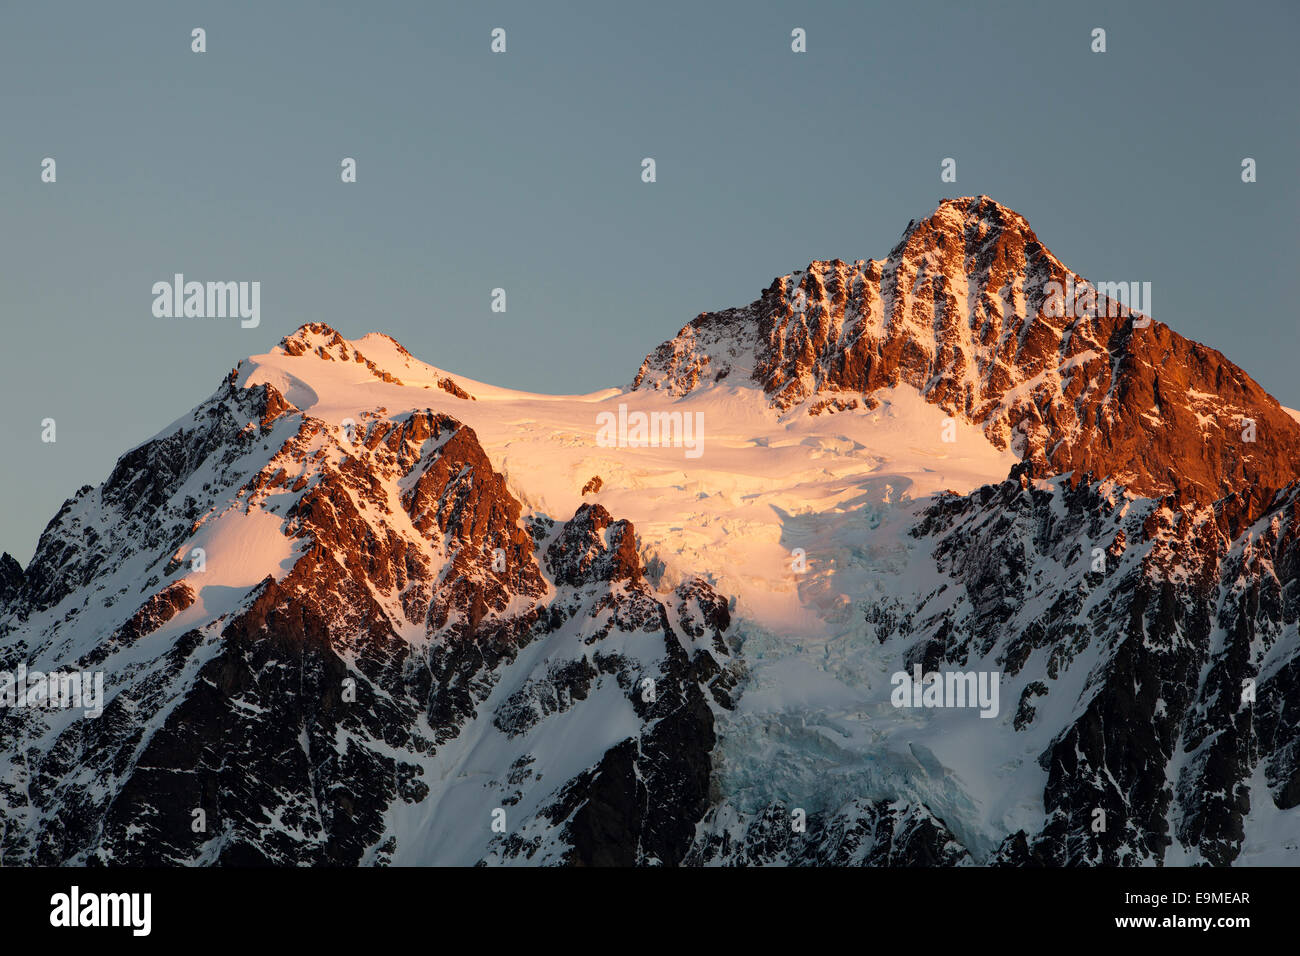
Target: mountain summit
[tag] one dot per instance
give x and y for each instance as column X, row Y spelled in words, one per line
column 967, row 309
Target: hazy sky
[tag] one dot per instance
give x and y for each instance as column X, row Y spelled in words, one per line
column 522, row 170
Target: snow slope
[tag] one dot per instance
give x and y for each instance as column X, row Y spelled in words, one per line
column 766, row 483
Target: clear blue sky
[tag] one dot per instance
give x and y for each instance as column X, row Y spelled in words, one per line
column 522, row 171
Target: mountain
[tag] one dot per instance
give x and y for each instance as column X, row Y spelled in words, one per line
column 962, row 311
column 357, row 609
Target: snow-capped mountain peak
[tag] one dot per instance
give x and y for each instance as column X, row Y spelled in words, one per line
column 976, row 314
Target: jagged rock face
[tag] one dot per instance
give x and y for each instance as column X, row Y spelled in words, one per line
column 963, row 310
column 595, row 547
column 641, row 803
column 136, row 511
column 151, row 615
column 1247, row 709
column 1139, row 628
column 329, row 346
column 1163, row 738
column 11, row 579
column 859, row 834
